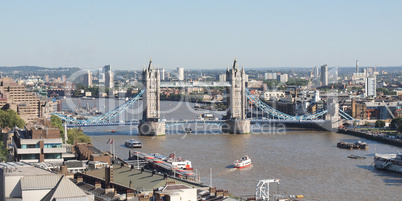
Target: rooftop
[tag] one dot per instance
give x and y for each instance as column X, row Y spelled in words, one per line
column 22, row 169
column 145, row 180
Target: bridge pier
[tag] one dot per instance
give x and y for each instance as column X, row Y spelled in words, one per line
column 236, row 127
column 152, row 128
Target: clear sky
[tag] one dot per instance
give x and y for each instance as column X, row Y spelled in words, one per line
column 200, row 34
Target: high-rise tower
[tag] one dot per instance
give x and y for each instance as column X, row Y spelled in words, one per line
column 357, row 66
column 324, row 75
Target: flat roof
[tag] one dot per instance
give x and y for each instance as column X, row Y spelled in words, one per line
column 145, row 180
column 22, row 169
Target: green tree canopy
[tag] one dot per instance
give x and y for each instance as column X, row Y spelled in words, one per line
column 396, row 124
column 57, row 123
column 379, row 124
column 10, row 118
column 75, row 135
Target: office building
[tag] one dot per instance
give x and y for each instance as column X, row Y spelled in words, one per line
column 101, row 78
column 109, row 80
column 370, row 86
column 88, row 79
column 14, row 96
column 316, row 72
column 180, row 74
column 324, row 75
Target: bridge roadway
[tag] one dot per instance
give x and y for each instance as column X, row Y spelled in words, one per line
column 195, row 84
column 170, row 123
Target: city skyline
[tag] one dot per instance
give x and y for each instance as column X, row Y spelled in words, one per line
column 200, row 35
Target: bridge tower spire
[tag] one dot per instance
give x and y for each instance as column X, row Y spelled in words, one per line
column 237, row 122
column 151, row 124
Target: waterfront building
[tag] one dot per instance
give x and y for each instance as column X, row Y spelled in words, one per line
column 109, row 80
column 88, row 79
column 38, row 143
column 180, row 74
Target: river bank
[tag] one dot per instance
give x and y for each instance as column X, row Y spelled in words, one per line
column 372, row 136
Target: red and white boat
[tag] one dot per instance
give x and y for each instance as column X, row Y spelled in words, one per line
column 243, row 162
column 179, row 162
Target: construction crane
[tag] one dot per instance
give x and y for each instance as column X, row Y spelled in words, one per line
column 262, row 190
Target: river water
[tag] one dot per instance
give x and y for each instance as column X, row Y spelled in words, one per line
column 307, row 162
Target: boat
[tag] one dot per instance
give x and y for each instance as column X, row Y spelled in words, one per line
column 392, row 162
column 243, row 162
column 158, row 156
column 188, row 130
column 356, row 157
column 113, row 131
column 356, row 145
column 133, row 143
column 179, row 162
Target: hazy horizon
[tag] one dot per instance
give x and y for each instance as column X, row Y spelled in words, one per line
column 194, row 35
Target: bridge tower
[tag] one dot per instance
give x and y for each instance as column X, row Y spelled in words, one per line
column 332, row 116
column 236, row 122
column 151, row 124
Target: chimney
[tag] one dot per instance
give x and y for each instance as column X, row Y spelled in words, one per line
column 98, row 184
column 64, row 169
column 108, row 175
column 110, row 189
column 130, row 194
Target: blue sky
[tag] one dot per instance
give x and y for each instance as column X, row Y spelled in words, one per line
column 202, row 34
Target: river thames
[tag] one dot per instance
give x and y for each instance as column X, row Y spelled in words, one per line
column 307, row 162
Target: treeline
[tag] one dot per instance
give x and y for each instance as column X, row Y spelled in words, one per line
column 74, row 135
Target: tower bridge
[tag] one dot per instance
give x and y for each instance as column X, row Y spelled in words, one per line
column 238, row 98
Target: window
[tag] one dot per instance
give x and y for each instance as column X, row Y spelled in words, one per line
column 53, row 156
column 29, row 156
column 53, row 145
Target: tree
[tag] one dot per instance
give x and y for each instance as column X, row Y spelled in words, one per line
column 10, row 118
column 3, row 152
column 379, row 124
column 396, row 124
column 57, row 122
column 75, row 135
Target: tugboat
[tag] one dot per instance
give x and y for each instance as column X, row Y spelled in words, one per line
column 243, row 162
column 133, row 143
column 356, row 145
